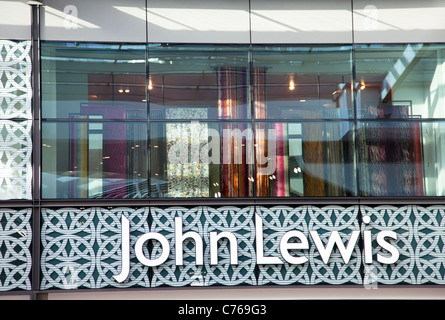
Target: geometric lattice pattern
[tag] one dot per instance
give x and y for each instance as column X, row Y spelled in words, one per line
column 280, row 219
column 204, row 220
column 81, row 248
column 15, row 80
column 421, row 239
column 15, row 159
column 15, row 120
column 15, row 249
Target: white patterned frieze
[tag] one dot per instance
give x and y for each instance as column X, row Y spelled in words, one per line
column 68, row 248
column 239, row 222
column 169, row 273
column 342, row 265
column 311, row 222
column 15, row 120
column 429, row 237
column 276, row 222
column 15, row 159
column 420, row 238
column 15, row 79
column 15, row 249
column 393, row 219
column 242, row 245
column 110, row 247
column 202, row 221
column 81, row 247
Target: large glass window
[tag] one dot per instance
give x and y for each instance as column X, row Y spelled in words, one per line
column 79, row 79
column 400, row 81
column 94, row 159
column 226, row 121
column 190, row 84
column 202, row 159
column 15, row 120
column 94, row 121
column 399, row 95
column 228, row 159
column 402, row 158
column 199, row 81
column 310, row 158
column 302, row 82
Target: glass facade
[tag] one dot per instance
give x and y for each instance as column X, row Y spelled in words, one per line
column 15, row 120
column 83, row 79
column 199, row 81
column 94, row 159
column 222, row 121
column 400, row 81
column 163, row 144
column 303, row 82
column 94, row 121
column 400, row 102
column 312, row 159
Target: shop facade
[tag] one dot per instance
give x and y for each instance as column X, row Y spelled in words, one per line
column 233, row 148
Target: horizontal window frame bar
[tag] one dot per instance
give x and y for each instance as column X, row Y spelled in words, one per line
column 257, row 120
column 268, row 201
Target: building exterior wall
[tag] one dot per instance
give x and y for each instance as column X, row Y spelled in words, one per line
column 369, row 219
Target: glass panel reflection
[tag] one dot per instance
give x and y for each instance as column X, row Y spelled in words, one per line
column 15, row 159
column 404, row 158
column 300, row 141
column 209, row 159
column 201, row 159
column 199, row 81
column 400, row 81
column 302, row 82
column 94, row 160
column 305, row 159
column 83, row 78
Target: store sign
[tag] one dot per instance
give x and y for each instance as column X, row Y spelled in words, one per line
column 177, row 246
column 290, row 243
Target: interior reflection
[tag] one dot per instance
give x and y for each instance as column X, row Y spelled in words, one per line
column 233, row 121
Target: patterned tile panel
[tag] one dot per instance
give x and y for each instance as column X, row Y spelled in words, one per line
column 15, row 249
column 420, row 242
column 15, row 159
column 15, row 80
column 204, row 220
column 280, row 219
column 82, row 248
column 15, row 120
